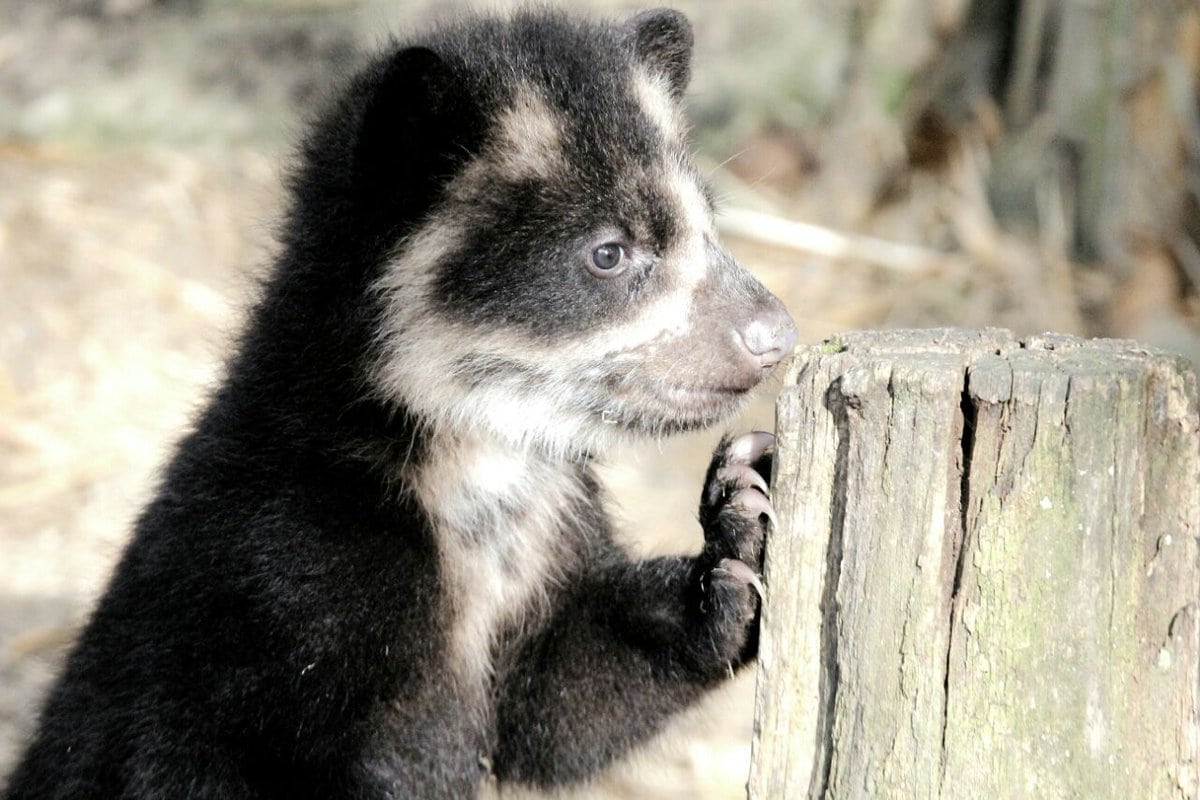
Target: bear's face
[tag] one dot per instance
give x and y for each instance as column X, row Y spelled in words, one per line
column 568, row 285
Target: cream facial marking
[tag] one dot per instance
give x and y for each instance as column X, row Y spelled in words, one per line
column 527, row 144
column 528, row 136
column 418, row 351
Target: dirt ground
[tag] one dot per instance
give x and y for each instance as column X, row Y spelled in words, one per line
column 141, row 147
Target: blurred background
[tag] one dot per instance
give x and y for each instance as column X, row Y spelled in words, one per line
column 1033, row 164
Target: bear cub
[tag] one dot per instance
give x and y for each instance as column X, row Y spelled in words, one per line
column 379, row 565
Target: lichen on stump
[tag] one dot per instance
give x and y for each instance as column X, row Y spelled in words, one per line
column 985, row 578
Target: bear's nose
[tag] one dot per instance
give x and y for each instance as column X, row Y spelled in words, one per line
column 770, row 336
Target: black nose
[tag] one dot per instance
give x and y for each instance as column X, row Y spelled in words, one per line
column 770, row 336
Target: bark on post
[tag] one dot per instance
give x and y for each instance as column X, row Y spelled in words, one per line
column 985, row 581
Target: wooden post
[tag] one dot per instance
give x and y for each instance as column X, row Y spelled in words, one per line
column 985, row 581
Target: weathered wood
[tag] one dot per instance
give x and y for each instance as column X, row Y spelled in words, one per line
column 985, row 580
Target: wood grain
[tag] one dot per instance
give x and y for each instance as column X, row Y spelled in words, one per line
column 985, row 578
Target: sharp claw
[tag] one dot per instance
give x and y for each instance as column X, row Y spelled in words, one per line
column 739, row 569
column 755, row 503
column 743, row 476
column 749, row 447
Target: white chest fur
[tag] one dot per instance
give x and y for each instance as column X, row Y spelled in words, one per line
column 502, row 520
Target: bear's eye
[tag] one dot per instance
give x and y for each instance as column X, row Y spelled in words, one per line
column 607, row 258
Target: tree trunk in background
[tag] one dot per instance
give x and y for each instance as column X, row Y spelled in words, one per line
column 1101, row 99
column 985, row 580
column 1092, row 110
column 1098, row 145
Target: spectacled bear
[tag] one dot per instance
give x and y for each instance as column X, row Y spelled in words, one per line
column 379, row 566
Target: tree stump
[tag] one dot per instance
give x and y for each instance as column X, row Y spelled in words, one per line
column 985, row 578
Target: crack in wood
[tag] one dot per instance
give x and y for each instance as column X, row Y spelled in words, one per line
column 836, row 404
column 966, row 443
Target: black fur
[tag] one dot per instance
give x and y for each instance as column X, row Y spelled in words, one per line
column 664, row 39
column 277, row 627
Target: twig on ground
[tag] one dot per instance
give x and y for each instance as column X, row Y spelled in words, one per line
column 817, row 240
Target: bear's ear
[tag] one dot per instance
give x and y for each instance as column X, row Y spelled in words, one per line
column 662, row 40
column 416, row 123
